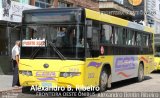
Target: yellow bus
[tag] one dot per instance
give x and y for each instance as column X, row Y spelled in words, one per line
column 157, row 57
column 82, row 47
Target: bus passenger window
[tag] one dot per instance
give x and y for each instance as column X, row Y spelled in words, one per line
column 120, row 36
column 124, row 36
column 106, row 34
column 139, row 39
column 103, row 37
column 130, row 37
column 144, row 40
column 150, row 43
column 116, row 35
column 147, row 40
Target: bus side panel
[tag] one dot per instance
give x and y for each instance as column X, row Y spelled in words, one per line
column 93, row 69
column 157, row 63
column 124, row 67
column 152, row 64
column 148, row 62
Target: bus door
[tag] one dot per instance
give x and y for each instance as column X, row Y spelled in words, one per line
column 93, row 62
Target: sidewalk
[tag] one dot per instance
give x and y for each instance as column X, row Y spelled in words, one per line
column 5, row 82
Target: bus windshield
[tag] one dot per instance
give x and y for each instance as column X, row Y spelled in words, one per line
column 68, row 40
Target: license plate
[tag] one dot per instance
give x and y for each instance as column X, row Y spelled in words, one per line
column 46, row 84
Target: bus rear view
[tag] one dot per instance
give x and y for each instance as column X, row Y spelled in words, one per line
column 52, row 51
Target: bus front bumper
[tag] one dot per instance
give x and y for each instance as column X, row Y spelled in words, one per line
column 65, row 82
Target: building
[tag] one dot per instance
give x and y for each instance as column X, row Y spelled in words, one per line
column 10, row 20
column 119, row 8
column 156, row 25
column 91, row 4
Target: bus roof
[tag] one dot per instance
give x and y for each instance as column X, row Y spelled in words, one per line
column 116, row 21
column 52, row 9
column 98, row 16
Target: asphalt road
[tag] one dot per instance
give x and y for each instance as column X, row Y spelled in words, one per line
column 149, row 88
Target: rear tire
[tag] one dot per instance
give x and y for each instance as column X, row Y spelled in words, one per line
column 103, row 80
column 140, row 77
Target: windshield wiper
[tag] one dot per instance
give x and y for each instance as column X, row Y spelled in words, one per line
column 34, row 53
column 56, row 50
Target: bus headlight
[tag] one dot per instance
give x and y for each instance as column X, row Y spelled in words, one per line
column 69, row 74
column 24, row 72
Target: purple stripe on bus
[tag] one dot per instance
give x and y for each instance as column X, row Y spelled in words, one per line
column 45, row 79
column 94, row 64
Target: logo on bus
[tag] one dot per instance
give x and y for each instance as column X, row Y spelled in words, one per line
column 94, row 64
column 45, row 65
column 124, row 63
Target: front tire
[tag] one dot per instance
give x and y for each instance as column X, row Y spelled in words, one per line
column 140, row 77
column 103, row 80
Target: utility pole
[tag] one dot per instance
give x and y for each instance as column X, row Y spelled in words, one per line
column 145, row 14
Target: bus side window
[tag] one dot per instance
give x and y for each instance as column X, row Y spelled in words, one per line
column 89, row 41
column 95, row 42
column 133, row 35
column 130, row 37
column 120, row 36
column 116, row 35
column 95, row 39
column 124, row 36
column 93, row 32
column 106, row 34
column 139, row 39
column 147, row 41
column 150, row 43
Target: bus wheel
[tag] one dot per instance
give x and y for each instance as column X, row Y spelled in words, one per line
column 140, row 73
column 103, row 80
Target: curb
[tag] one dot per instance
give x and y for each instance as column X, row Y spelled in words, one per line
column 12, row 89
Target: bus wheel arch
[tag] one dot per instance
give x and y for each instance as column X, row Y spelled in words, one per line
column 105, row 77
column 140, row 77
